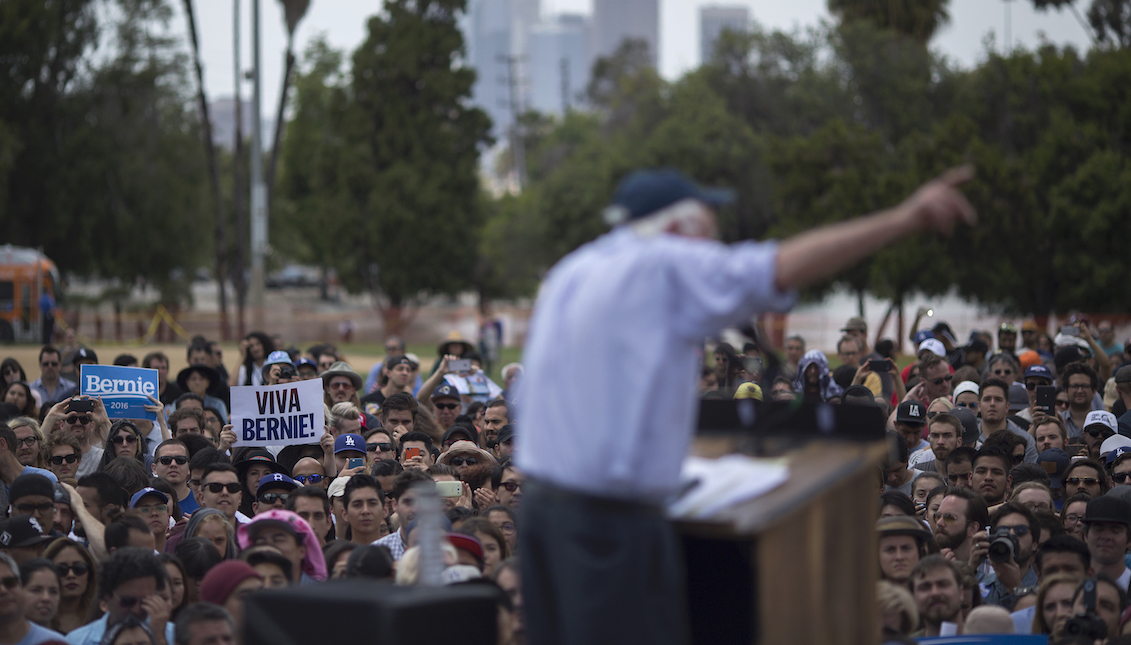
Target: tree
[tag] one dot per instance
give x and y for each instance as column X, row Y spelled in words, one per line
column 918, row 19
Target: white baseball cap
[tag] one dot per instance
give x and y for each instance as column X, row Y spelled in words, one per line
column 966, row 386
column 933, row 344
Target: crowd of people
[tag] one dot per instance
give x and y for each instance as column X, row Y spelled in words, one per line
column 129, row 531
column 1005, row 497
column 1005, row 501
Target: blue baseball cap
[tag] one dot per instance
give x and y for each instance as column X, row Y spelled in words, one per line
column 148, row 491
column 447, row 390
column 349, row 441
column 277, row 357
column 305, row 362
column 276, row 480
column 1039, row 371
column 646, row 191
column 921, row 336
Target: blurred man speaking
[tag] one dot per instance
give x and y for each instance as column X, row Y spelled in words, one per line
column 611, row 360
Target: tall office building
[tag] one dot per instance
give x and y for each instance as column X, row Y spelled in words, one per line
column 559, row 63
column 616, row 20
column 713, row 19
column 495, row 31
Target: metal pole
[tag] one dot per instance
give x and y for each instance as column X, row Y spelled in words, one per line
column 1008, row 29
column 258, row 190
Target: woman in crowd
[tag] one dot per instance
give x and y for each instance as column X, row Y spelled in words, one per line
column 934, row 499
column 923, row 485
column 11, row 371
column 1054, row 605
column 903, row 541
column 813, row 382
column 893, row 503
column 337, row 555
column 254, row 350
column 126, row 440
column 939, row 406
column 41, row 589
column 495, row 548
column 75, row 567
column 199, row 556
column 210, row 524
column 1072, row 514
column 20, row 394
column 177, row 597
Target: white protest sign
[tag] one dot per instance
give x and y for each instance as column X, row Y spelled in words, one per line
column 278, row 415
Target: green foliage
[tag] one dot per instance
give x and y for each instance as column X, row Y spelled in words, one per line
column 100, row 161
column 918, row 19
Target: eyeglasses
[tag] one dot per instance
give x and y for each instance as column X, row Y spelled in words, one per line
column 392, row 348
column 27, row 441
column 507, row 528
column 10, row 582
column 81, row 420
column 169, row 459
column 217, row 487
column 151, row 508
column 966, row 405
column 271, row 498
column 28, row 509
column 193, row 482
column 511, row 486
column 127, row 601
column 1032, row 385
column 471, row 461
column 1076, row 481
column 1079, row 386
column 341, row 386
column 1002, row 372
column 309, row 479
column 1020, row 530
column 942, row 379
column 378, row 447
column 49, row 364
column 79, row 568
column 124, row 438
column 57, row 460
column 1017, row 459
column 1119, row 478
column 1073, row 518
column 446, row 406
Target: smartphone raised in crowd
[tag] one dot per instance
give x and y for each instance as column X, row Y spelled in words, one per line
column 1069, row 330
column 1046, row 398
column 355, row 462
column 879, row 365
column 81, row 405
column 449, row 489
column 412, row 451
column 460, row 365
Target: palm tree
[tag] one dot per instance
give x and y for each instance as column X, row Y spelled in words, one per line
column 294, row 11
column 918, row 19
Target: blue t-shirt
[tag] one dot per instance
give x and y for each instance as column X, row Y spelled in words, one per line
column 32, row 470
column 188, row 504
column 38, row 634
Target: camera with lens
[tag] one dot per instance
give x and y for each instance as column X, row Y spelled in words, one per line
column 1088, row 625
column 1003, row 545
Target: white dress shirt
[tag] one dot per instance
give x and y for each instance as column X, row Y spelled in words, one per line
column 609, row 397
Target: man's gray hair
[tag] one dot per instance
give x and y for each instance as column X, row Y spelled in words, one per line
column 8, row 560
column 199, row 612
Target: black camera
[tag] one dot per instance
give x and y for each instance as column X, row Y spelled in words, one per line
column 1088, row 625
column 1003, row 546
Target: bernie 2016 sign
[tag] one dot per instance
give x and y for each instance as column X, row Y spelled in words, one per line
column 125, row 391
column 278, row 415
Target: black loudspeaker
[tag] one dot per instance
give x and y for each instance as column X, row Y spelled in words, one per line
column 361, row 611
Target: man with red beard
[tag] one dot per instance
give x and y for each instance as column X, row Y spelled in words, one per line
column 961, row 516
column 936, row 585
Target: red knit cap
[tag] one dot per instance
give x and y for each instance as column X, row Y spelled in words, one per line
column 222, row 579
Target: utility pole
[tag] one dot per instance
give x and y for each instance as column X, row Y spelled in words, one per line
column 258, row 190
column 1008, row 29
column 236, row 266
column 517, row 143
column 565, row 86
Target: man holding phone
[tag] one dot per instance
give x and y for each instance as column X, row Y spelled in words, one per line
column 1037, row 376
column 85, row 418
column 350, row 455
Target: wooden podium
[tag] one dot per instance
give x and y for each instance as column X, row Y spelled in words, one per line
column 799, row 564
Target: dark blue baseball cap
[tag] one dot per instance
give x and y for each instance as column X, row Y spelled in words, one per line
column 1039, row 371
column 646, row 191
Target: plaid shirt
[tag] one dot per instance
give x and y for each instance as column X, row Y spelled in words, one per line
column 394, row 543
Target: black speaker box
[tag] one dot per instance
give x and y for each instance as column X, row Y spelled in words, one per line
column 360, row 611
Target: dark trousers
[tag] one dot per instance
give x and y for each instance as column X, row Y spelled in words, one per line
column 48, row 331
column 598, row 571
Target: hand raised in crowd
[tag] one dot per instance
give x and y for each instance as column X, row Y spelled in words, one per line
column 158, row 410
column 415, row 462
column 326, row 443
column 464, row 498
column 485, row 497
column 227, row 438
column 350, row 472
column 159, row 610
column 398, row 431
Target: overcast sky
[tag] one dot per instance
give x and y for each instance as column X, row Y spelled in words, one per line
column 343, row 23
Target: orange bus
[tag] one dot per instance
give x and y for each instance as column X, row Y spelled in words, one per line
column 24, row 275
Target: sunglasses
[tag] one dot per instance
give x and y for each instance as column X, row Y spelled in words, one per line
column 1017, row 459
column 10, row 582
column 309, row 479
column 217, row 487
column 446, row 406
column 1061, row 403
column 942, row 379
column 1094, row 432
column 271, row 498
column 57, row 460
column 124, row 438
column 1076, row 481
column 966, row 405
column 28, row 509
column 1019, row 531
column 1119, row 478
column 510, row 486
column 1002, row 372
column 168, row 459
column 378, row 447
column 79, row 568
column 50, row 364
column 1031, row 385
column 471, row 461
column 127, row 601
column 82, row 420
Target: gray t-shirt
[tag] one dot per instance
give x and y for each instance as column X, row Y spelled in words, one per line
column 906, row 488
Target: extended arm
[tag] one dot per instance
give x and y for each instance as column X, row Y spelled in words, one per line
column 813, row 256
